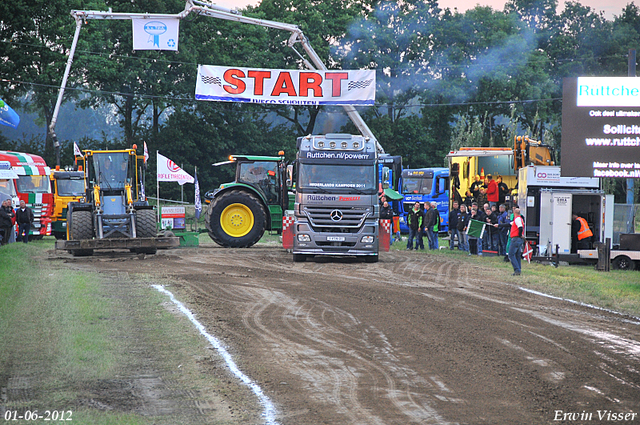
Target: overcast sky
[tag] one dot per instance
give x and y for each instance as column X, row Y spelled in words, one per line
column 609, row 7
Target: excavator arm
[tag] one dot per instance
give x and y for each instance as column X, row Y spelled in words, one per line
column 213, row 11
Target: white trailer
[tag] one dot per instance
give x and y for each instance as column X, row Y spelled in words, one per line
column 547, row 200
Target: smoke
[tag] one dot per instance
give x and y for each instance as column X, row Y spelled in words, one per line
column 416, row 48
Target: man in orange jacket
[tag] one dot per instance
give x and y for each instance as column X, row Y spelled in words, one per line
column 580, row 234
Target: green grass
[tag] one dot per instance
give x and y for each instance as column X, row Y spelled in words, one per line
column 65, row 333
column 616, row 290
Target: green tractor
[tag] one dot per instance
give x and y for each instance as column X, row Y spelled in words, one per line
column 241, row 211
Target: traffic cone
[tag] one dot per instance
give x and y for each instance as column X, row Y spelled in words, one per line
column 482, row 173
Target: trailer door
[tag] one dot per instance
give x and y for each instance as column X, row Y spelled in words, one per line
column 555, row 221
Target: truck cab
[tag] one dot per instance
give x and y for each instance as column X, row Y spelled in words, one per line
column 336, row 203
column 425, row 185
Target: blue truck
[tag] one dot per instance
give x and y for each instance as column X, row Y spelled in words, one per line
column 425, row 185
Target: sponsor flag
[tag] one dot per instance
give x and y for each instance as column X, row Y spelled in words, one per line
column 155, row 34
column 76, row 150
column 286, row 86
column 198, row 202
column 146, row 153
column 476, row 228
column 8, row 116
column 143, row 195
column 168, row 171
column 528, row 252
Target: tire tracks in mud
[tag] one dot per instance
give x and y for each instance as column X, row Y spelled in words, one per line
column 415, row 338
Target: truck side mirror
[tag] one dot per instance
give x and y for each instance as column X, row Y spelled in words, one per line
column 289, row 176
column 385, row 177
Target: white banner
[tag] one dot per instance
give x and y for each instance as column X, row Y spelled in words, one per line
column 285, row 86
column 155, row 34
column 168, row 171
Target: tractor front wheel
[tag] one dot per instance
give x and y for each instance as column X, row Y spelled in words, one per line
column 236, row 219
column 81, row 228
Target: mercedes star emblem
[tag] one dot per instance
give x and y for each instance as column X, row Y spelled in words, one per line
column 336, row 215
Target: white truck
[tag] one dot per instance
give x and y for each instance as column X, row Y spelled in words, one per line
column 547, row 200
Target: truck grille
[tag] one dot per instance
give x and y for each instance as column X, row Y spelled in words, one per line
column 324, row 218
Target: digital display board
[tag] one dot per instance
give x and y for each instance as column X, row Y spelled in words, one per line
column 601, row 127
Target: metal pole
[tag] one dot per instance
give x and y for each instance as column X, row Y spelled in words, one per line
column 182, row 187
column 56, row 110
column 157, row 188
column 632, row 73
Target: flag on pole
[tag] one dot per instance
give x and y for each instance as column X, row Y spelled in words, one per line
column 528, row 252
column 143, row 195
column 476, row 228
column 198, row 202
column 146, row 153
column 76, row 150
column 169, row 171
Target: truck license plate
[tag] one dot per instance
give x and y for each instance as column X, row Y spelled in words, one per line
column 335, row 238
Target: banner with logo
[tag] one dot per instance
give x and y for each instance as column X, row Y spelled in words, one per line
column 286, row 86
column 155, row 34
column 168, row 171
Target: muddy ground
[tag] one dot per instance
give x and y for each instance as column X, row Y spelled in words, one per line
column 415, row 338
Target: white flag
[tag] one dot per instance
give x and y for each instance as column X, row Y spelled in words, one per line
column 168, row 171
column 76, row 150
column 146, row 153
column 155, row 34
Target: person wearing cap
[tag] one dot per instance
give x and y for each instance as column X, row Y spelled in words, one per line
column 6, row 225
column 493, row 194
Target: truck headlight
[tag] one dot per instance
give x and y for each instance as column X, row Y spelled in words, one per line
column 367, row 239
column 304, row 238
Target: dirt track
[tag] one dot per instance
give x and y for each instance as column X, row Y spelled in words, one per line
column 415, row 338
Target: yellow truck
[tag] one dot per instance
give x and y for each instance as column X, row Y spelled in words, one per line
column 68, row 186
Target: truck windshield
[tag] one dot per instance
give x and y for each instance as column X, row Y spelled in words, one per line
column 111, row 169
column 70, row 187
column 33, row 184
column 6, row 187
column 422, row 186
column 321, row 176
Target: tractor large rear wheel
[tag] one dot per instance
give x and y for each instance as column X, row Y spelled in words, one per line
column 81, row 228
column 236, row 219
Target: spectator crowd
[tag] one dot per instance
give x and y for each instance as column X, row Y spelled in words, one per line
column 486, row 202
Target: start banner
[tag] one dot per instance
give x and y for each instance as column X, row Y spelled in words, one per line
column 285, row 86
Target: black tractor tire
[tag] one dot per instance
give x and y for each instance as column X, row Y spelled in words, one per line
column 236, row 219
column 146, row 224
column 81, row 225
column 81, row 229
column 622, row 262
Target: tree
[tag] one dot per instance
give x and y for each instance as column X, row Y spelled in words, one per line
column 36, row 36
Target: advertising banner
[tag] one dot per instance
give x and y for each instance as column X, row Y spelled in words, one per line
column 600, row 130
column 285, row 86
column 155, row 34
